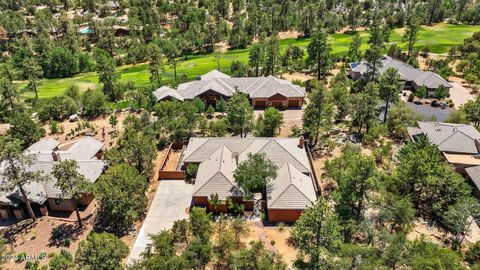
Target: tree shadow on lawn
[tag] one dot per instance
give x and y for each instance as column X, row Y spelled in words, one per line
column 64, row 234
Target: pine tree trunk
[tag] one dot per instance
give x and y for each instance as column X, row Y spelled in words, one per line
column 27, row 202
column 386, row 112
column 80, row 224
column 175, row 69
column 318, row 67
column 35, row 89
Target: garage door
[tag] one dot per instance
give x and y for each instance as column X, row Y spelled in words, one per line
column 293, row 103
column 260, row 103
column 277, row 104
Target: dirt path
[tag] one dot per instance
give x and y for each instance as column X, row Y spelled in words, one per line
column 100, row 124
column 4, row 128
column 172, row 161
column 46, row 236
column 296, row 76
column 275, row 239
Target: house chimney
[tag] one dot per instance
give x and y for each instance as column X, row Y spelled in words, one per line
column 55, row 156
column 301, row 142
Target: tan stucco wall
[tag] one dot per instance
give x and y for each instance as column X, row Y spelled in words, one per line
column 270, row 102
column 62, row 205
column 283, row 215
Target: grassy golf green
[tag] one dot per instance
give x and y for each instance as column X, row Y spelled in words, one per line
column 438, row 39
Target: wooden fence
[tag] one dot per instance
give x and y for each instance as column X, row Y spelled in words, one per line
column 310, row 160
column 173, row 175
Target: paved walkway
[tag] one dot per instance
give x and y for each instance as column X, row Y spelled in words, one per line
column 170, row 203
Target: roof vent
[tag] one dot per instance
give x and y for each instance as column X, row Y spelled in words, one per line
column 235, row 156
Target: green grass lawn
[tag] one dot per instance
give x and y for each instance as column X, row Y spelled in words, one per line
column 438, row 39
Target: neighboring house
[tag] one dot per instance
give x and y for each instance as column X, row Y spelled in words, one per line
column 459, row 143
column 473, row 173
column 288, row 195
column 413, row 77
column 45, row 196
column 262, row 91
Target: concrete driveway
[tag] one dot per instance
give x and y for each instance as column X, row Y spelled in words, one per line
column 459, row 94
column 291, row 117
column 438, row 114
column 171, row 201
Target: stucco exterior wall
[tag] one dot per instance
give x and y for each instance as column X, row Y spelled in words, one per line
column 283, row 215
column 285, row 103
column 61, row 204
column 86, row 199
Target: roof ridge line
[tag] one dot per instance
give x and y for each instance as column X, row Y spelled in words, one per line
column 274, row 139
column 280, row 195
column 220, row 81
column 207, row 139
column 262, row 83
column 228, row 179
column 449, row 136
column 250, row 85
column 305, row 195
column 208, row 180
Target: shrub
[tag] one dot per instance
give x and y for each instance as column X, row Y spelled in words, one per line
column 424, row 52
column 101, row 251
column 20, row 257
column 31, row 265
column 191, row 171
column 67, row 242
column 281, row 226
column 94, row 103
column 210, row 110
column 54, row 127
column 234, row 208
column 472, row 256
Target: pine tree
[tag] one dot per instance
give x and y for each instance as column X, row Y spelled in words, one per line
column 319, row 54
column 155, row 65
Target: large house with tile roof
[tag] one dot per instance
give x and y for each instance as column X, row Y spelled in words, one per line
column 413, row 77
column 291, row 192
column 459, row 143
column 262, row 91
column 473, row 174
column 46, row 196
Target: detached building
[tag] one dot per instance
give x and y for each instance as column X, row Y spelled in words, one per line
column 414, row 78
column 45, row 196
column 291, row 192
column 262, row 91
